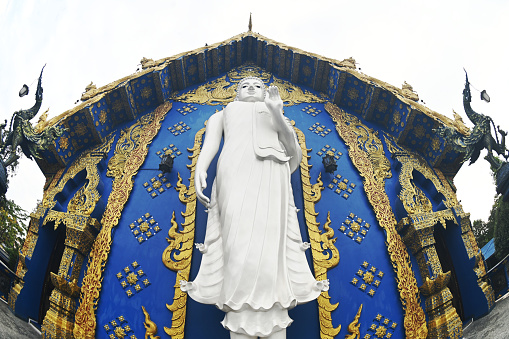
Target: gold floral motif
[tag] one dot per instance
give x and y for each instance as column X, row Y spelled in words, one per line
column 293, row 95
column 320, row 241
column 63, row 143
column 353, row 327
column 133, row 142
column 411, row 161
column 367, row 154
column 150, row 326
column 222, row 91
column 183, row 240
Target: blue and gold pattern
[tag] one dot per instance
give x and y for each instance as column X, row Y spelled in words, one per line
column 179, row 128
column 381, row 328
column 171, row 150
column 311, row 110
column 157, row 185
column 185, row 110
column 342, row 186
column 144, row 228
column 327, row 149
column 319, row 129
column 133, row 279
column 355, row 228
column 119, row 328
column 367, row 278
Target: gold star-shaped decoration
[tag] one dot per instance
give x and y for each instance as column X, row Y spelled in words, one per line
column 381, row 331
column 121, row 318
column 365, row 264
column 368, row 277
column 144, row 226
column 378, row 317
column 373, row 269
column 119, row 332
column 132, row 278
column 355, row 281
column 356, row 227
column 371, row 292
column 119, row 275
column 386, row 321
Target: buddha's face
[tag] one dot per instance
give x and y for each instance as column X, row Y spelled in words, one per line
column 251, row 90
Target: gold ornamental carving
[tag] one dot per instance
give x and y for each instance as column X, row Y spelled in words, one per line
column 367, row 154
column 320, row 241
column 183, row 241
column 353, row 328
column 133, row 141
column 150, row 326
column 222, row 91
column 413, row 199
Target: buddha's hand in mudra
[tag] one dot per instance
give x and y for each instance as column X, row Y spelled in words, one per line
column 273, row 100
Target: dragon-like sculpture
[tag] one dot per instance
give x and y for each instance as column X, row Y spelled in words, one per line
column 21, row 132
column 480, row 136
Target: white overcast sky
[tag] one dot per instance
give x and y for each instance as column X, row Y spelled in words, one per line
column 426, row 43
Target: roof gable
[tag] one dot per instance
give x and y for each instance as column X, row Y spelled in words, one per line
column 395, row 110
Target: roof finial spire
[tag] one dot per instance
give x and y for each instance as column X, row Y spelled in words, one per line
column 250, row 26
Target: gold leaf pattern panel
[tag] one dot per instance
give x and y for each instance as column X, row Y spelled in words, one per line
column 130, row 153
column 367, row 155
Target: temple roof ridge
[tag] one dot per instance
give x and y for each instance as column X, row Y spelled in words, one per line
column 340, row 81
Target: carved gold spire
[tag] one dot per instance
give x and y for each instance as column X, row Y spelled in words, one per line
column 250, row 26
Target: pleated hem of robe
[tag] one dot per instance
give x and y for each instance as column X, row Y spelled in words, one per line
column 257, row 323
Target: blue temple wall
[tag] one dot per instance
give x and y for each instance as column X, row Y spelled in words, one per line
column 135, row 276
column 203, row 320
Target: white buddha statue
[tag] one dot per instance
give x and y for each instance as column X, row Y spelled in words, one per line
column 253, row 267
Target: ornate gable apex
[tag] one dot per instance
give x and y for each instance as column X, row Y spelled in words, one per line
column 395, row 110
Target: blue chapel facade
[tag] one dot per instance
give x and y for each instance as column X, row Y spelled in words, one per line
column 114, row 235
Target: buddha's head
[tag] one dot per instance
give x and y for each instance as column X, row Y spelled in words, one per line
column 250, row 89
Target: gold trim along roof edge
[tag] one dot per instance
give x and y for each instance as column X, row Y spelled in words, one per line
column 97, row 94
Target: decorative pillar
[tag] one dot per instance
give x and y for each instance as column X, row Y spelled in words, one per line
column 417, row 232
column 24, row 258
column 474, row 251
column 81, row 231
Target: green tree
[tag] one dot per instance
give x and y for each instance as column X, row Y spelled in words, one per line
column 483, row 232
column 12, row 229
column 500, row 218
